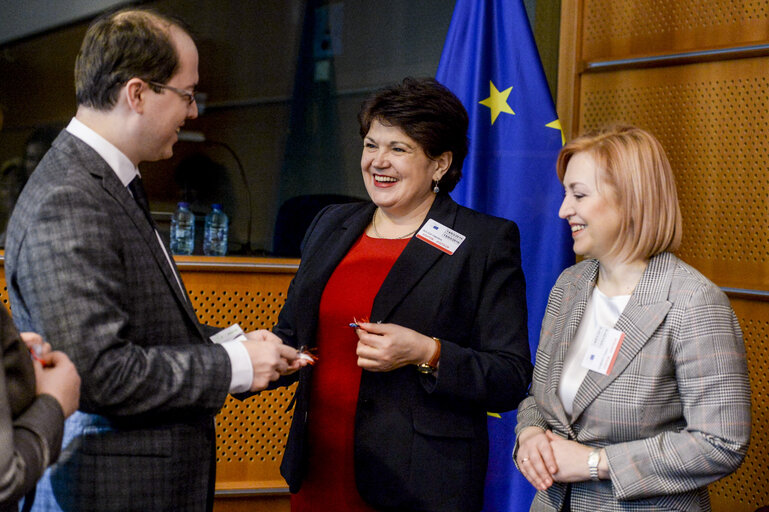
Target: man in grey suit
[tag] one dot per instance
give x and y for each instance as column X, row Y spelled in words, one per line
column 86, row 269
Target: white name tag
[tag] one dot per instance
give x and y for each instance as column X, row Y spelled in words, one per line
column 231, row 333
column 603, row 350
column 440, row 236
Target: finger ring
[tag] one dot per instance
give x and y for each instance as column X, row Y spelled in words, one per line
column 525, row 459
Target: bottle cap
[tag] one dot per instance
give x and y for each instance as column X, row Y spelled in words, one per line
column 216, row 206
column 183, row 204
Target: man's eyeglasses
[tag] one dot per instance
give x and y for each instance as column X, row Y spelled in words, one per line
column 187, row 95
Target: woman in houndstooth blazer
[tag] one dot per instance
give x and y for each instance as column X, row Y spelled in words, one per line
column 640, row 395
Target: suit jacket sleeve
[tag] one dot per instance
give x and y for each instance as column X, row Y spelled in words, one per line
column 713, row 385
column 285, row 327
column 528, row 412
column 30, row 440
column 70, row 276
column 492, row 367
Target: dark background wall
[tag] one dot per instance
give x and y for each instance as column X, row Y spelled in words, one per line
column 252, row 60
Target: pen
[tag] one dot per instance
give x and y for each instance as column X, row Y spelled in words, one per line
column 354, row 324
column 35, row 353
column 307, row 354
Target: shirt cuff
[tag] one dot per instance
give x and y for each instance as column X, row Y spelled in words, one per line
column 242, row 371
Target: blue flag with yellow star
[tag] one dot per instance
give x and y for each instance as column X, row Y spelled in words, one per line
column 490, row 62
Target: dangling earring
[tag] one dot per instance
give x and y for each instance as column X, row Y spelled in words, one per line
column 436, row 189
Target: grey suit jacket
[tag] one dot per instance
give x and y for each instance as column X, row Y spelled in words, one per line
column 673, row 415
column 84, row 269
column 30, row 426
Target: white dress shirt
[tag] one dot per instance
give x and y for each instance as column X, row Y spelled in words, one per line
column 601, row 310
column 242, row 372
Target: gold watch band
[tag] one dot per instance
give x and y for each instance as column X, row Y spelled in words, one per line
column 432, row 365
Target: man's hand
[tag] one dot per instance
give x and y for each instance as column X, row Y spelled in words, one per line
column 270, row 358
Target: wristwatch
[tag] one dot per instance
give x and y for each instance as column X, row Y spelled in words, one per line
column 430, row 366
column 592, row 463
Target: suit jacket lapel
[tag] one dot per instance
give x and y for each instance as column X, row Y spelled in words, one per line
column 121, row 194
column 415, row 260
column 115, row 188
column 575, row 297
column 318, row 266
column 645, row 311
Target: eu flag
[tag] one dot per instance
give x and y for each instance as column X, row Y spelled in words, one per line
column 490, row 62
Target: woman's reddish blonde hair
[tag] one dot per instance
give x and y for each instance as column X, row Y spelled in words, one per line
column 632, row 162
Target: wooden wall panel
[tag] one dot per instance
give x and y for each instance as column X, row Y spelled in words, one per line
column 712, row 118
column 748, row 488
column 619, row 29
column 251, row 434
column 621, row 61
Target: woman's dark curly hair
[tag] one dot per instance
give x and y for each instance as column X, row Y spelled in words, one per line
column 427, row 112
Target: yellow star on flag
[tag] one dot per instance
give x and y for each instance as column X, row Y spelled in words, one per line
column 556, row 125
column 497, row 101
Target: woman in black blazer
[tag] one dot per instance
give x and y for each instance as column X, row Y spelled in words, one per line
column 393, row 414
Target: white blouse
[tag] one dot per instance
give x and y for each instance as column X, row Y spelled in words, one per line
column 601, row 311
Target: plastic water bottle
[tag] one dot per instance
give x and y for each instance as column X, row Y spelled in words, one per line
column 182, row 230
column 215, row 234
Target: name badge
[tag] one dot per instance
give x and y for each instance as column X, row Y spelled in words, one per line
column 440, row 236
column 231, row 333
column 603, row 350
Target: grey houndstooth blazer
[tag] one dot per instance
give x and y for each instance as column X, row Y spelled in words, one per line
column 84, row 269
column 674, row 414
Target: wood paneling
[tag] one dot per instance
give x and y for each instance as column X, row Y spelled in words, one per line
column 712, row 116
column 625, row 28
column 250, row 434
column 748, row 488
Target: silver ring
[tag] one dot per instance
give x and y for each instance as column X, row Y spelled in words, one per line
column 525, row 459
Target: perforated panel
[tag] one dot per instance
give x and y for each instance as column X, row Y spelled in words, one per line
column 749, row 486
column 254, row 431
column 712, row 118
column 714, row 131
column 250, row 434
column 4, row 294
column 620, row 28
column 252, row 309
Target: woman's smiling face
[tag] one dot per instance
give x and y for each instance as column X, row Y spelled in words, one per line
column 397, row 173
column 592, row 213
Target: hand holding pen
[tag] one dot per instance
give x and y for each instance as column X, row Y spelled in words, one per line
column 385, row 347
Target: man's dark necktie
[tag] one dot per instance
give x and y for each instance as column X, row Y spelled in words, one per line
column 137, row 189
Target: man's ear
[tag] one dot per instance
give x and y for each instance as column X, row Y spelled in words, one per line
column 135, row 93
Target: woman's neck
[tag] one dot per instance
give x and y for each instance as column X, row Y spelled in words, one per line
column 387, row 223
column 620, row 277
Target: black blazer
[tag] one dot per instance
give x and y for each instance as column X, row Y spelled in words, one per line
column 421, row 441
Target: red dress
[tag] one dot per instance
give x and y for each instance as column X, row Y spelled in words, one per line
column 349, row 293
